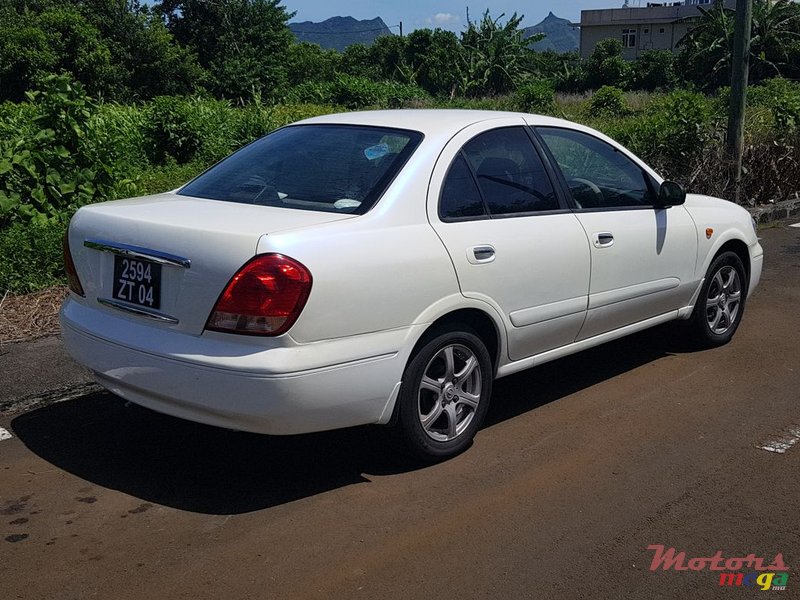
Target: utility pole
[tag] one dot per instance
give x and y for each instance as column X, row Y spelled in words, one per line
column 401, row 29
column 740, row 73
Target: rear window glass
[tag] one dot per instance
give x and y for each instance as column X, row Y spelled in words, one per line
column 333, row 168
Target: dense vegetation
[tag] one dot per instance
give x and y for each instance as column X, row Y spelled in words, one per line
column 109, row 98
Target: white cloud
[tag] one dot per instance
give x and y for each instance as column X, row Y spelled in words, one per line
column 445, row 20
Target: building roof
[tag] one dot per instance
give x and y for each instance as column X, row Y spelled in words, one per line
column 643, row 15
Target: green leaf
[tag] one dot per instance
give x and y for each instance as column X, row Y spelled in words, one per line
column 67, row 188
column 53, row 178
column 21, row 156
column 37, row 194
column 6, row 204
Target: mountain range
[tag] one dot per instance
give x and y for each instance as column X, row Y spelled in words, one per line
column 340, row 32
column 561, row 35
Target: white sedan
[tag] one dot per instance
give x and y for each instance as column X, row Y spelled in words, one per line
column 386, row 267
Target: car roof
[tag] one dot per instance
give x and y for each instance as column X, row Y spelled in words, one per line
column 439, row 125
column 431, row 121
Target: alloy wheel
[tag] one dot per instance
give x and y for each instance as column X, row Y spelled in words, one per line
column 723, row 300
column 449, row 392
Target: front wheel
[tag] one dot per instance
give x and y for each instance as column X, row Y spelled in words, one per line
column 445, row 394
column 720, row 305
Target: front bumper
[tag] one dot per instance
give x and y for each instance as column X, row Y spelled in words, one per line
column 756, row 266
column 276, row 390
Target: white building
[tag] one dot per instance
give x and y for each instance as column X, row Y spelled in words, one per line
column 651, row 26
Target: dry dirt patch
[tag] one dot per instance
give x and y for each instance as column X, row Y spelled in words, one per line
column 28, row 316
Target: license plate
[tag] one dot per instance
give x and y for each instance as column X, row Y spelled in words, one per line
column 137, row 281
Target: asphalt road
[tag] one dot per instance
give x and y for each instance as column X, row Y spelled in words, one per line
column 583, row 464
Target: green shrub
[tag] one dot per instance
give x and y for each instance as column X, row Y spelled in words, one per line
column 361, row 92
column 654, row 69
column 123, row 127
column 284, row 114
column 782, row 98
column 31, row 256
column 400, row 95
column 169, row 131
column 536, row 97
column 16, row 120
column 315, row 92
column 608, row 100
column 352, row 92
column 66, row 163
column 675, row 131
column 570, row 78
column 356, row 92
column 156, row 180
column 493, row 103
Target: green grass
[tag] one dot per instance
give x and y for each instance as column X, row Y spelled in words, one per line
column 167, row 177
column 31, row 256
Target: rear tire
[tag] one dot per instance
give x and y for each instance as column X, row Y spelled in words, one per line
column 445, row 394
column 720, row 305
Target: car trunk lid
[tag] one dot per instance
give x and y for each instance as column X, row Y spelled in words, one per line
column 165, row 259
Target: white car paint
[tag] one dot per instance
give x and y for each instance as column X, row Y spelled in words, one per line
column 649, row 268
column 379, row 281
column 536, row 317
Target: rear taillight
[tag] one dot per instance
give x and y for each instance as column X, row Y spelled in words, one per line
column 264, row 298
column 69, row 266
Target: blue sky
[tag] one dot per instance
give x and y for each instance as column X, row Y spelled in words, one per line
column 447, row 14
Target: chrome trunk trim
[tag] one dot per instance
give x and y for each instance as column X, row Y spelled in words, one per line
column 163, row 258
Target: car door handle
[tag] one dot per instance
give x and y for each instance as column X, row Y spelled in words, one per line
column 604, row 239
column 481, row 254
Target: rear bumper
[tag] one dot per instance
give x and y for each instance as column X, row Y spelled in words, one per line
column 268, row 395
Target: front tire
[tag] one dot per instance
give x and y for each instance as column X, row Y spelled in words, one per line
column 720, row 305
column 445, row 394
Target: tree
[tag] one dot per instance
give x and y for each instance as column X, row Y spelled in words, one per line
column 495, row 56
column 306, row 62
column 566, row 70
column 115, row 48
column 387, row 54
column 244, row 44
column 150, row 60
column 776, row 35
column 25, row 54
column 607, row 67
column 706, row 50
column 157, row 65
column 59, row 39
column 357, row 61
column 430, row 56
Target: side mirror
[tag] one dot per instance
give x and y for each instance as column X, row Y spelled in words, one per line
column 671, row 194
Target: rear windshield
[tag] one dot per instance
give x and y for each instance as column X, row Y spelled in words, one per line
column 333, row 168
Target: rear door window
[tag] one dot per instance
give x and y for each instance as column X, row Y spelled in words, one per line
column 509, row 172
